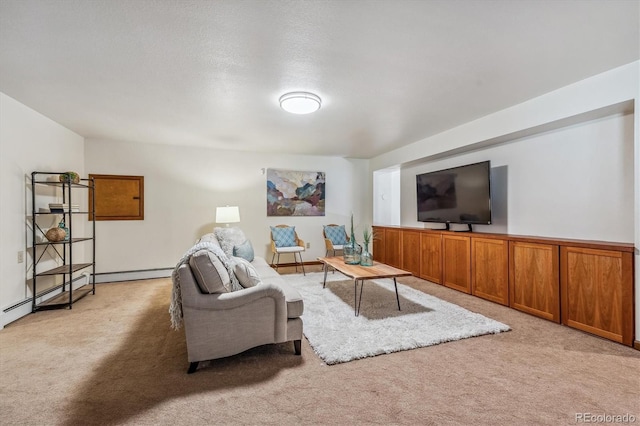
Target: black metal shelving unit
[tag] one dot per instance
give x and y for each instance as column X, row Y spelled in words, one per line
column 63, row 249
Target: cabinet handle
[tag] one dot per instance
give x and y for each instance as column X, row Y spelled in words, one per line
column 136, row 198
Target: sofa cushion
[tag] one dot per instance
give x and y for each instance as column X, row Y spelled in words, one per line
column 228, row 238
column 245, row 272
column 336, row 234
column 295, row 304
column 209, row 272
column 244, row 250
column 284, row 237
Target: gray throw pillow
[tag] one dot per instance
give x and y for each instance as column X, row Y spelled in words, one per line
column 228, row 238
column 244, row 250
column 209, row 272
column 246, row 273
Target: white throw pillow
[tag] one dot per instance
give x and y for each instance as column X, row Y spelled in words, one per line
column 245, row 272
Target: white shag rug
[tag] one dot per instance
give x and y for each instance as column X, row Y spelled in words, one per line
column 338, row 336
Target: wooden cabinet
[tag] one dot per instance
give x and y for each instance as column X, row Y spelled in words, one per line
column 586, row 285
column 534, row 276
column 490, row 271
column 457, row 262
column 431, row 257
column 411, row 252
column 393, row 247
column 378, row 244
column 597, row 292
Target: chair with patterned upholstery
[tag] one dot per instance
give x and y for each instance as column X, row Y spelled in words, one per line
column 284, row 239
column 335, row 238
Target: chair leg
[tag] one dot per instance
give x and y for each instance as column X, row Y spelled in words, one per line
column 273, row 257
column 278, row 264
column 301, row 264
column 193, row 367
column 297, row 345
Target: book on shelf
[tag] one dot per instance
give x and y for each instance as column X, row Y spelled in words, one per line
column 63, row 208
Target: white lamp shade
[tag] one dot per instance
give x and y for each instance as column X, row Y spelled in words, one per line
column 228, row 214
column 300, row 102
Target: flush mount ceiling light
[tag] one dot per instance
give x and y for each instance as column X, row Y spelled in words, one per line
column 300, row 102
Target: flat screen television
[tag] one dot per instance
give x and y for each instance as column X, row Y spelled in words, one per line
column 457, row 195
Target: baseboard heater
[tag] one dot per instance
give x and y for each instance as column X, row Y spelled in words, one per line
column 144, row 274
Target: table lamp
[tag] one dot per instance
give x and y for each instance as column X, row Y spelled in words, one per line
column 227, row 215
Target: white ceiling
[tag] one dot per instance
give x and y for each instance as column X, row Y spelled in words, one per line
column 209, row 73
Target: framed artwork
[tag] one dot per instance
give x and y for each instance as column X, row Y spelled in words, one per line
column 295, row 193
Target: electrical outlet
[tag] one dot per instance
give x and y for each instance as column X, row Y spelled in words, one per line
column 308, row 245
column 20, row 256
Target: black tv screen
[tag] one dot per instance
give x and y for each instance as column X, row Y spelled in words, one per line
column 457, row 195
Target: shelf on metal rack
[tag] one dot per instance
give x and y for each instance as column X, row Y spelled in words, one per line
column 65, row 269
column 62, row 299
column 72, row 240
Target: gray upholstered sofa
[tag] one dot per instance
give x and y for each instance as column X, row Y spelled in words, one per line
column 219, row 322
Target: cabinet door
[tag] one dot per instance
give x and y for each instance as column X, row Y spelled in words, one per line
column 117, row 197
column 411, row 252
column 597, row 292
column 534, row 279
column 392, row 247
column 490, row 269
column 457, row 262
column 431, row 257
column 378, row 244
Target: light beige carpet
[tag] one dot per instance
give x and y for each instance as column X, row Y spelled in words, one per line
column 113, row 360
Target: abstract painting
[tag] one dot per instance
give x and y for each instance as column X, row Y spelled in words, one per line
column 294, row 193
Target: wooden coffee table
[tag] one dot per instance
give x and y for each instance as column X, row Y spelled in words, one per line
column 362, row 273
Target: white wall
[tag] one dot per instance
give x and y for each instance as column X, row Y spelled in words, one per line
column 386, row 197
column 574, row 182
column 28, row 142
column 184, row 185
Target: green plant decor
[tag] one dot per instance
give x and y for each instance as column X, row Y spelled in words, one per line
column 366, row 259
column 352, row 249
column 71, row 177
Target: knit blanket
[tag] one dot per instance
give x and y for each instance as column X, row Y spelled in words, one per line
column 175, row 308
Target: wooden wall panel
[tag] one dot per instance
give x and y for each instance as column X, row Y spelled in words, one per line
column 431, row 257
column 411, row 252
column 393, row 247
column 597, row 292
column 457, row 262
column 534, row 279
column 490, row 271
column 378, row 244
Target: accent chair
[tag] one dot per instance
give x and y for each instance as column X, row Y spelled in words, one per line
column 335, row 238
column 284, row 239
